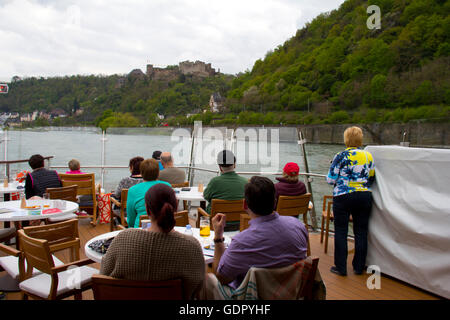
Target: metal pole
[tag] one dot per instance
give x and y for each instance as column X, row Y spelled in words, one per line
column 103, row 158
column 302, row 142
column 192, row 152
column 6, row 153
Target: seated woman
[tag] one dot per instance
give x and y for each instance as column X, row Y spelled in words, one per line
column 159, row 252
column 74, row 166
column 133, row 179
column 289, row 184
column 135, row 202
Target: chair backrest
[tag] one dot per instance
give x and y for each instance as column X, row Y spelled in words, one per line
column 60, row 236
column 123, row 202
column 244, row 224
column 293, row 205
column 232, row 208
column 306, row 290
column 180, row 185
column 181, row 218
column 108, row 288
column 37, row 253
column 68, row 193
column 143, row 217
column 85, row 182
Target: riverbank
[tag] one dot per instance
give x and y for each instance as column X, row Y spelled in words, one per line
column 434, row 135
column 418, row 134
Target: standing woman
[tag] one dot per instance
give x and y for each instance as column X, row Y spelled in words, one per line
column 352, row 173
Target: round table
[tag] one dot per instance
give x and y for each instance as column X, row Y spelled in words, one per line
column 191, row 195
column 208, row 254
column 11, row 188
column 25, row 215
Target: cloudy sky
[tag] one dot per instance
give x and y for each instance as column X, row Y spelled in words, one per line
column 66, row 37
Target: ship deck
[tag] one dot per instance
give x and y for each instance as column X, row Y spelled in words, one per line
column 352, row 287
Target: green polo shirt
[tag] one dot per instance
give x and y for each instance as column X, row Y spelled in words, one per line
column 227, row 186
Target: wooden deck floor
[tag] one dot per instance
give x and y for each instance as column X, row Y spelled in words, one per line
column 352, row 287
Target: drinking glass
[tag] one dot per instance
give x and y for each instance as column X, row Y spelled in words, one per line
column 205, row 229
column 46, row 200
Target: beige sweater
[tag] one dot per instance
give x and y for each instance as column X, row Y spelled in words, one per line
column 137, row 254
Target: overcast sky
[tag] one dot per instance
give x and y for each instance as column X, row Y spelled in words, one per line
column 59, row 37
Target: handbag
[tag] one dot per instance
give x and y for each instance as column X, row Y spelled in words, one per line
column 104, row 207
column 101, row 246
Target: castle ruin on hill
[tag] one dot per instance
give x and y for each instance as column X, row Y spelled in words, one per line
column 196, row 69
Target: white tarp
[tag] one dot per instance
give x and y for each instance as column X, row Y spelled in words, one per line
column 409, row 229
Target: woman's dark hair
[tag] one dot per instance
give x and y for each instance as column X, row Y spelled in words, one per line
column 161, row 202
column 260, row 195
column 135, row 165
column 149, row 169
column 36, row 161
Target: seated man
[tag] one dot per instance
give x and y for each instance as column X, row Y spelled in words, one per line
column 40, row 178
column 271, row 241
column 170, row 174
column 228, row 186
column 157, row 156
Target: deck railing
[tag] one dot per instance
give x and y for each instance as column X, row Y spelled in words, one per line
column 229, row 143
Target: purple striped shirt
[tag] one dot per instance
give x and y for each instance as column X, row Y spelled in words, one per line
column 271, row 241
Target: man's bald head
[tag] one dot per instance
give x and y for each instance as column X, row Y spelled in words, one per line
column 166, row 159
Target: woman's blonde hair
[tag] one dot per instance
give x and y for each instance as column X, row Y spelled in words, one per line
column 290, row 178
column 74, row 164
column 353, row 137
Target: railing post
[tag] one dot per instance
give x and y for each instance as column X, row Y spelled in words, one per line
column 190, row 159
column 301, row 142
column 102, row 171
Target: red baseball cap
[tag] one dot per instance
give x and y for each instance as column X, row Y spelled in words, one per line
column 291, row 169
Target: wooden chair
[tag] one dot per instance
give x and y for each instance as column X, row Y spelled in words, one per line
column 68, row 193
column 295, row 206
column 232, row 208
column 181, row 218
column 123, row 210
column 86, row 186
column 327, row 216
column 182, row 185
column 61, row 236
column 55, row 282
column 244, row 222
column 108, row 288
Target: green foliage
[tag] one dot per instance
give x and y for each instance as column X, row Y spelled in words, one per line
column 119, row 120
column 336, row 59
column 339, row 117
column 153, row 120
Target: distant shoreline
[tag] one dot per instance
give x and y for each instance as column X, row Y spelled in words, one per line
column 431, row 135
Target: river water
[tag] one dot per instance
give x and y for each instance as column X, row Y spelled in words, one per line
column 86, row 145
